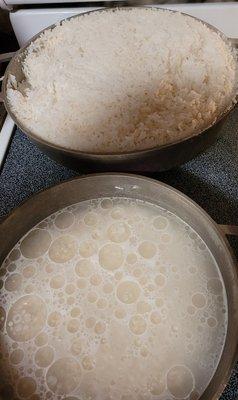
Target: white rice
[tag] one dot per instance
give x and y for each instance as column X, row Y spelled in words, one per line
column 124, row 80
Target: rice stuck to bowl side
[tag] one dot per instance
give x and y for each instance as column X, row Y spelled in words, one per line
column 124, row 80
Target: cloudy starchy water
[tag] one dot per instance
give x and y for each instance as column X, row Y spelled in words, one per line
column 110, row 298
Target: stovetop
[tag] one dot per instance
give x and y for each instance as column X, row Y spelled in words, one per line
column 211, row 180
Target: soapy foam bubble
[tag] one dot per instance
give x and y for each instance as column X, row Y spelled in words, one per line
column 75, row 312
column 63, row 249
column 147, row 249
column 16, row 356
column 26, row 387
column 118, row 232
column 26, row 318
column 57, row 282
column 110, row 256
column 29, row 271
column 41, row 339
column 143, row 307
column 180, row 381
column 87, row 248
column 76, row 347
column 54, row 319
column 91, row 219
column 44, row 356
column 64, row 220
column 73, row 325
column 137, row 325
column 128, row 292
column 63, row 376
column 13, row 282
column 84, row 268
column 199, row 300
column 35, row 243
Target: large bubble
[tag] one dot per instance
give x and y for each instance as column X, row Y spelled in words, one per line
column 63, row 376
column 118, row 232
column 36, row 243
column 128, row 292
column 111, row 256
column 180, row 381
column 147, row 249
column 44, row 356
column 26, row 387
column 26, row 318
column 63, row 249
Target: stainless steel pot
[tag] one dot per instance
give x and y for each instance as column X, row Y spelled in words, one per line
column 159, row 158
column 38, row 207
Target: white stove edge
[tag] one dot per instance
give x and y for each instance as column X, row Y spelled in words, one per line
column 28, row 22
column 5, row 137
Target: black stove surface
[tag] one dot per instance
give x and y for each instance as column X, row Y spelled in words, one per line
column 211, row 180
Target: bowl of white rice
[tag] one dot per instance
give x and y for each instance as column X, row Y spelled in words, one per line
column 127, row 88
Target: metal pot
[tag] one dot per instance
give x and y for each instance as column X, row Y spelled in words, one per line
column 38, row 207
column 159, row 158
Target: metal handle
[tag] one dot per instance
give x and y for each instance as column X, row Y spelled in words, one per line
column 229, row 229
column 234, row 41
column 6, row 56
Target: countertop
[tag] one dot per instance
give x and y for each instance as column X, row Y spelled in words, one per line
column 211, row 180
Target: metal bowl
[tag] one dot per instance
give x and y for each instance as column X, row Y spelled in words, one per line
column 158, row 158
column 40, row 206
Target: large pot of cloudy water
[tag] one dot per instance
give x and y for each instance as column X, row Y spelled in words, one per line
column 133, row 89
column 115, row 286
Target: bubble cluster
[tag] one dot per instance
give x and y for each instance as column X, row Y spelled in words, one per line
column 110, row 298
